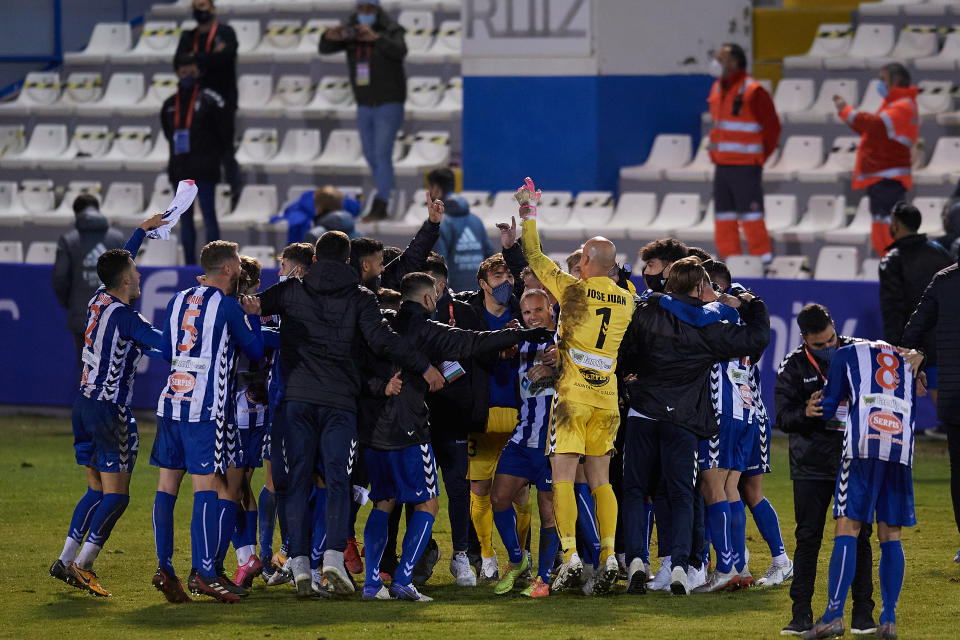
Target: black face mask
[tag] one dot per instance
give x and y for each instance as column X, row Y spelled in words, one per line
column 202, row 16
column 655, row 281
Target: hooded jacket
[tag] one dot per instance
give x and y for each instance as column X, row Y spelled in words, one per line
column 463, row 243
column 75, row 267
column 400, row 421
column 325, row 317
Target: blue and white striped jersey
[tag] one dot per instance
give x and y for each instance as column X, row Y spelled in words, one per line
column 732, row 389
column 203, row 330
column 112, row 348
column 252, row 398
column 879, row 386
column 536, row 400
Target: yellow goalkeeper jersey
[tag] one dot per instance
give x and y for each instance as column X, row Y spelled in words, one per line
column 594, row 315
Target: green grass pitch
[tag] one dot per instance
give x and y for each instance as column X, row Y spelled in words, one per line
column 41, row 484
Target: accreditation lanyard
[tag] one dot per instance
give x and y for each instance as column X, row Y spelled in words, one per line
column 207, row 45
column 364, row 53
column 181, row 135
column 839, row 421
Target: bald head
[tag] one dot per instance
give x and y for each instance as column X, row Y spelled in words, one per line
column 599, row 257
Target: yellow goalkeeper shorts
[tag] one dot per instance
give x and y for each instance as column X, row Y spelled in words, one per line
column 483, row 449
column 582, row 429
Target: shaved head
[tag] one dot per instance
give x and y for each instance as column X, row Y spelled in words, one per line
column 599, row 257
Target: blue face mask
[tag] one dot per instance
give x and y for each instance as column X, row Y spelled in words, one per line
column 502, row 292
column 187, row 83
column 367, row 18
column 882, row 89
column 826, row 353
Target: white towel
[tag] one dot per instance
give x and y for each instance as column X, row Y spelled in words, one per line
column 183, row 200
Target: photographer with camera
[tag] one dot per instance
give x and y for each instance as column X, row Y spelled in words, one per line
column 375, row 51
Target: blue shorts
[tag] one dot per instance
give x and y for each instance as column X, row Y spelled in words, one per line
column 188, row 445
column 729, row 449
column 866, row 486
column 406, row 475
column 758, row 458
column 526, row 462
column 252, row 443
column 931, row 377
column 105, row 435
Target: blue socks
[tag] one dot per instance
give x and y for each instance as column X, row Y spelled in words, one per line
column 506, row 522
column 738, row 534
column 111, row 508
column 79, row 524
column 891, row 579
column 769, row 525
column 843, row 564
column 419, row 528
column 163, row 529
column 718, row 521
column 267, row 516
column 374, row 542
column 549, row 542
column 204, row 532
column 226, row 525
column 586, row 518
column 318, row 537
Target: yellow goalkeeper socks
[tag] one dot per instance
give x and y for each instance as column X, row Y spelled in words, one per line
column 565, row 513
column 481, row 513
column 606, row 503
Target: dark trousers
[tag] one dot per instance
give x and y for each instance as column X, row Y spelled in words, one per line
column 78, row 340
column 206, row 195
column 883, row 195
column 451, row 455
column 311, row 432
column 953, row 446
column 811, row 500
column 650, row 446
column 616, row 481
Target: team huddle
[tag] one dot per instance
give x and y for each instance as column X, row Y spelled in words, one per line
column 626, row 411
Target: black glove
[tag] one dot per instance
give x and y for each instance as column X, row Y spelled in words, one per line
column 540, row 335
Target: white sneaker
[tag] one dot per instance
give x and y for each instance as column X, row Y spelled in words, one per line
column 569, row 574
column 661, row 581
column 490, row 571
column 337, row 580
column 302, row 578
column 606, row 576
column 462, row 571
column 776, row 574
column 717, row 581
column 637, row 576
column 696, row 577
column 678, row 582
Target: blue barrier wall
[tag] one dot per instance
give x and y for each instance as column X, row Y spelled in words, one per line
column 39, row 366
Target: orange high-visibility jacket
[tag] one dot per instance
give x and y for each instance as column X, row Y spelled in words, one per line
column 748, row 136
column 887, row 138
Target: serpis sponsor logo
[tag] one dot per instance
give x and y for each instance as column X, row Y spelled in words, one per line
column 182, row 382
column 885, row 421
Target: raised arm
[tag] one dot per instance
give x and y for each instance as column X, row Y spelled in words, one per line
column 552, row 277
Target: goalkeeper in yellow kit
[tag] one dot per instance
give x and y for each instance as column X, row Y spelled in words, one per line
column 594, row 315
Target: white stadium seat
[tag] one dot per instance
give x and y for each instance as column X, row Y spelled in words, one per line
column 158, row 43
column 831, row 40
column 40, row 88
column 429, row 149
column 341, row 154
column 915, row 41
column 155, row 160
column 160, row 199
column 63, row 214
column 931, row 8
column 37, row 197
column 248, row 36
column 930, row 209
column 779, row 211
column 554, row 208
column 449, row 43
column 162, row 86
column 124, row 90
column 884, row 7
column 592, row 211
column 799, row 154
column 130, row 143
column 254, row 90
column 300, row 147
column 410, row 220
column 872, row 100
column 123, row 199
column 87, row 141
column 161, row 253
column 81, row 87
column 334, row 97
column 449, row 106
column 504, row 206
column 824, row 213
column 11, row 209
column 292, row 94
column 871, row 40
column 419, row 35
column 668, row 151
column 46, row 142
column 838, row 165
column 859, row 227
column 823, row 109
column 870, row 270
column 935, row 96
column 944, row 162
column 678, row 211
column 107, row 40
column 257, row 203
column 945, row 59
column 11, row 251
column 281, row 37
column 306, row 49
column 266, row 254
column 789, row 267
column 703, row 231
column 794, row 94
column 634, row 210
column 699, row 170
column 257, row 146
column 41, row 253
column 745, row 266
column 423, row 92
column 13, row 139
column 837, row 263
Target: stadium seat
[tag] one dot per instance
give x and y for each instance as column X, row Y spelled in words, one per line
column 831, row 40
column 669, row 151
column 823, row 109
column 872, row 99
column 307, row 5
column 789, row 268
column 41, row 253
column 248, row 37
column 794, row 94
column 306, row 49
column 554, row 210
column 592, row 211
column 859, row 228
column 47, row 141
column 870, row 270
column 341, row 154
column 930, row 210
column 87, row 141
column 429, row 149
column 871, row 40
column 37, row 197
column 160, row 199
column 173, row 8
column 162, row 86
column 122, row 200
column 11, row 208
column 11, row 251
column 63, row 215
column 779, row 211
column 884, row 7
column 254, row 91
column 503, row 207
column 931, row 8
column 13, row 139
column 703, row 231
column 300, row 147
column 479, row 202
column 824, row 213
column 838, row 165
column 129, row 143
column 634, row 210
column 108, row 39
column 280, row 38
column 257, row 146
column 419, row 35
column 266, row 254
column 745, row 266
column 154, row 160
column 915, row 41
column 423, row 92
column 410, row 220
column 837, row 263
column 161, row 253
column 292, row 94
column 257, row 203
column 124, row 90
column 935, row 96
column 158, row 43
column 334, row 97
column 678, row 211
column 699, row 170
column 944, row 162
column 449, row 106
column 799, row 154
column 81, row 87
column 448, row 46
column 945, row 59
column 40, row 88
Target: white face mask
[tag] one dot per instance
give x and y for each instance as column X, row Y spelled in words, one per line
column 715, row 68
